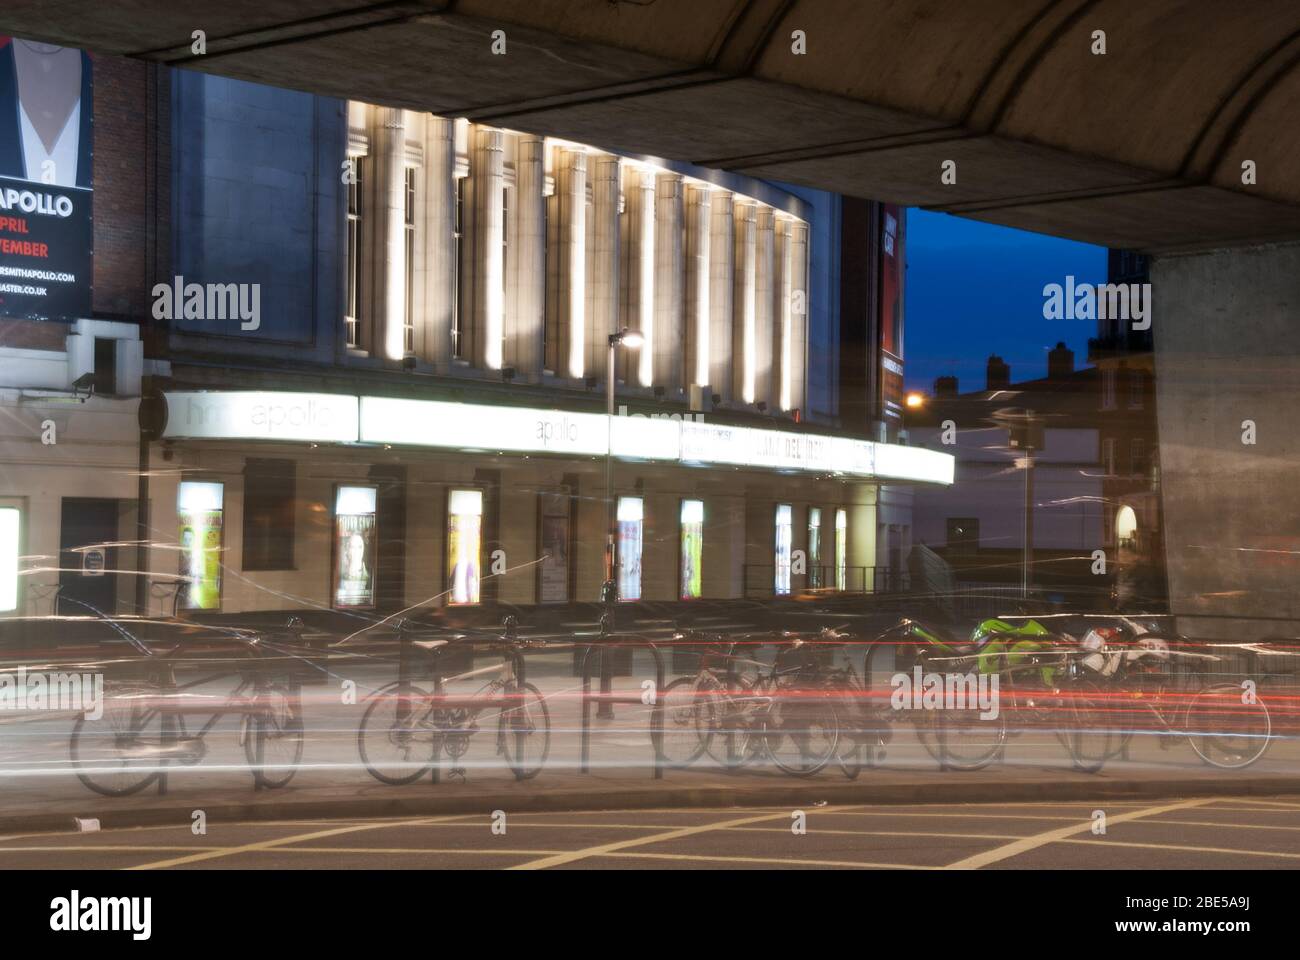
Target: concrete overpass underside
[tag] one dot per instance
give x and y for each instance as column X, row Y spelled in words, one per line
column 1140, row 147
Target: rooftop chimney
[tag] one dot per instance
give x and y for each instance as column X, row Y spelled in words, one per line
column 999, row 374
column 945, row 386
column 1060, row 361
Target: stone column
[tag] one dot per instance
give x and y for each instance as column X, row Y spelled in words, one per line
column 602, row 318
column 795, row 362
column 764, row 301
column 388, row 139
column 571, row 194
column 669, row 337
column 527, row 262
column 722, row 281
column 435, row 276
column 639, row 195
column 486, row 266
column 697, row 281
column 744, row 347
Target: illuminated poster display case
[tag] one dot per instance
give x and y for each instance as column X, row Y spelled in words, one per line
column 354, row 546
column 631, row 521
column 200, row 515
column 841, row 548
column 692, row 520
column 11, row 533
column 815, row 548
column 784, row 537
column 555, row 535
column 465, row 544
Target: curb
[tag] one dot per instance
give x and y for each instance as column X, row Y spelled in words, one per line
column 640, row 798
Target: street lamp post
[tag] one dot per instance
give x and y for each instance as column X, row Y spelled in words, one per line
column 609, row 590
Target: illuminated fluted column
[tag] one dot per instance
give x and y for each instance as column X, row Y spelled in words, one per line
column 602, row 319
column 435, row 259
column 779, row 393
column 797, row 350
column 764, row 300
column 639, row 194
column 487, row 181
column 744, row 354
column 669, row 337
column 526, row 262
column 698, row 319
column 722, row 259
column 571, row 251
column 388, row 137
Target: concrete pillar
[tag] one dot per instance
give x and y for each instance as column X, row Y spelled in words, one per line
column 388, row 266
column 602, row 318
column 571, row 254
column 794, row 362
column 485, row 268
column 1227, row 352
column 670, row 339
column 697, row 284
column 764, row 301
column 435, row 243
column 526, row 262
column 744, row 333
column 861, row 509
column 779, row 387
column 722, row 280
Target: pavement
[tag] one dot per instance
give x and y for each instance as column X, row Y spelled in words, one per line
column 1218, row 833
column 42, row 793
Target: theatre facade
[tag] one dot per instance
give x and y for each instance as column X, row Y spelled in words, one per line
column 409, row 404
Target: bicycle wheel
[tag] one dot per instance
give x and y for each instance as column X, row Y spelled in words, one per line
column 964, row 741
column 526, row 732
column 273, row 739
column 396, row 738
column 1224, row 730
column 121, row 752
column 1087, row 734
column 728, row 722
column 801, row 735
column 852, row 748
column 685, row 739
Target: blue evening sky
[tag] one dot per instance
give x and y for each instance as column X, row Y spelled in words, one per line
column 975, row 288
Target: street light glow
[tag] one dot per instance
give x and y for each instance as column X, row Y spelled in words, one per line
column 631, row 338
column 915, row 401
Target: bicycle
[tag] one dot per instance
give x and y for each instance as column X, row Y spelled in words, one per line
column 779, row 713
column 406, row 726
column 143, row 728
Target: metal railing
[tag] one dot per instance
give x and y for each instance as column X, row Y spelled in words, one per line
column 760, row 580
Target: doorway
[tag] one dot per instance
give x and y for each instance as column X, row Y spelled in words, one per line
column 87, row 559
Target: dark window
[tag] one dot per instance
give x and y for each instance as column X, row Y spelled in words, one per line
column 458, row 297
column 963, row 534
column 105, row 366
column 408, row 314
column 268, row 514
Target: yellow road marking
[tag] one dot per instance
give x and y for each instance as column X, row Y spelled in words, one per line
column 1235, row 851
column 1025, row 844
column 296, row 838
column 639, row 841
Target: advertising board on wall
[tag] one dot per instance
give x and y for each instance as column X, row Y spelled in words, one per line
column 46, row 151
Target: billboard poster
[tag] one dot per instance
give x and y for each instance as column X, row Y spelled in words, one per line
column 199, row 514
column 46, row 150
column 784, row 537
column 892, row 267
column 692, row 548
column 354, row 546
column 631, row 520
column 465, row 544
column 841, row 549
column 554, row 570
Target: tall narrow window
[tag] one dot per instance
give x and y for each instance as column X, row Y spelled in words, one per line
column 692, row 549
column 408, row 311
column 841, row 549
column 784, row 534
column 458, row 296
column 631, row 518
column 550, row 310
column 815, row 578
column 352, row 301
column 1108, row 456
column 505, row 242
